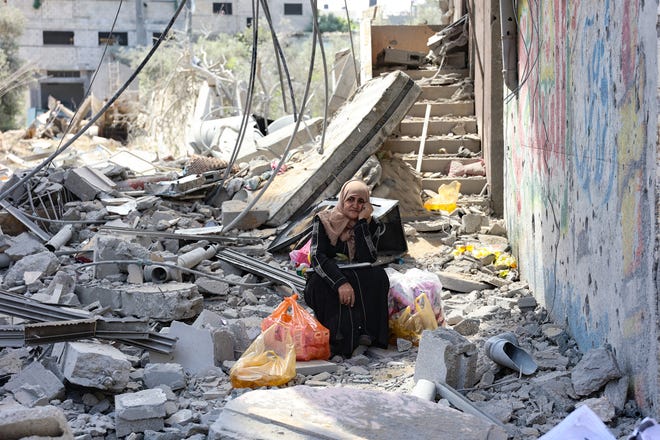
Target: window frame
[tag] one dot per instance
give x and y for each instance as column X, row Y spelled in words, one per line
column 58, row 38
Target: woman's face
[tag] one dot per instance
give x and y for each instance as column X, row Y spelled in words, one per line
column 353, row 205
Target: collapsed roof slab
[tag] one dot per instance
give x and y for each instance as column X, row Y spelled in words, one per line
column 355, row 133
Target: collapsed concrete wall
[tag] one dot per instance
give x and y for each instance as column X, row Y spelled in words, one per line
column 579, row 175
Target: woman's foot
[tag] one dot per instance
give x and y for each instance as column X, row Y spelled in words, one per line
column 365, row 340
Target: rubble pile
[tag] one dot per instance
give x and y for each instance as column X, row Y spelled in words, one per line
column 127, row 284
column 125, row 300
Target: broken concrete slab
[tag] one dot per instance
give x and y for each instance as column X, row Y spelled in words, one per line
column 86, row 183
column 193, row 350
column 303, row 412
column 24, row 245
column 445, row 356
column 252, row 220
column 45, row 263
column 35, row 385
column 98, row 366
column 309, row 368
column 169, row 374
column 597, row 367
column 19, row 422
column 163, row 302
column 355, row 133
column 460, row 282
column 139, row 412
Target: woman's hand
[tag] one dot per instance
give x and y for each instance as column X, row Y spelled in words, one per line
column 346, row 295
column 366, row 212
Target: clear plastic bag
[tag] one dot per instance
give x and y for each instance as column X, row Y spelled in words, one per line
column 310, row 337
column 269, row 361
column 407, row 286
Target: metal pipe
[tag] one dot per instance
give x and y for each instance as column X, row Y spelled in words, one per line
column 60, row 239
column 509, row 41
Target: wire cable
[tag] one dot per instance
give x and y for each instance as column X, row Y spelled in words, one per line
column 250, row 92
column 239, row 217
column 317, row 37
column 350, row 37
column 280, row 58
column 100, row 113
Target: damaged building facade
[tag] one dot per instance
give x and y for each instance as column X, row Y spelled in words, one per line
column 66, row 38
column 576, row 140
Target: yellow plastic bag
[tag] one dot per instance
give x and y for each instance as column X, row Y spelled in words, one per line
column 269, row 361
column 409, row 325
column 446, row 199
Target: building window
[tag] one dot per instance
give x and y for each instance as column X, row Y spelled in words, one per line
column 248, row 22
column 63, row 73
column 222, row 8
column 58, row 37
column 113, row 38
column 293, row 9
column 372, row 3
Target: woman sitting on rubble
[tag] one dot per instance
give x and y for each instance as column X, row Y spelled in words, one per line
column 350, row 303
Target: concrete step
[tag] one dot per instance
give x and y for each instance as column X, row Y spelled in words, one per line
column 433, row 144
column 412, row 126
column 469, row 185
column 434, row 92
column 438, row 163
column 440, row 108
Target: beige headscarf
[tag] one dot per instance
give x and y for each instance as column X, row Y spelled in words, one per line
column 337, row 225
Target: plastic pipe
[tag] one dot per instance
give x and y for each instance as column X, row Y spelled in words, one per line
column 60, row 239
column 425, row 389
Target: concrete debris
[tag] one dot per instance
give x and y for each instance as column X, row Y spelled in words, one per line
column 99, row 366
column 35, row 386
column 595, row 369
column 144, row 265
column 17, row 422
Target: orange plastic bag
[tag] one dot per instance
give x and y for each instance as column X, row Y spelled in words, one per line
column 407, row 325
column 310, row 337
column 269, row 361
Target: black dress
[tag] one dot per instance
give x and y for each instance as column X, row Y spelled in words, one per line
column 368, row 316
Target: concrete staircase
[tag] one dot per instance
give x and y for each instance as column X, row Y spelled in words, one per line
column 451, row 133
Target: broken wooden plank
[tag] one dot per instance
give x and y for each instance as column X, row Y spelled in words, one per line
column 356, row 132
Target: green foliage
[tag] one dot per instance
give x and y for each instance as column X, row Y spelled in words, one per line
column 11, row 27
column 330, row 23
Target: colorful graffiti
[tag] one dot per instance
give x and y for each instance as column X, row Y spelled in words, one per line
column 579, row 162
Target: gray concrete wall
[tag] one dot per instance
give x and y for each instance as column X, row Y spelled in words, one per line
column 487, row 72
column 580, row 174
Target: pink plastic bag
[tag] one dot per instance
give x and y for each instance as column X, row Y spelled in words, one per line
column 301, row 256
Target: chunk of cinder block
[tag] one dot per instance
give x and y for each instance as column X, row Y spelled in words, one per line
column 35, row 385
column 445, row 356
column 45, row 422
column 309, row 368
column 98, row 366
column 254, row 218
column 169, row 374
column 140, row 412
column 86, row 183
column 163, row 302
column 45, row 263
